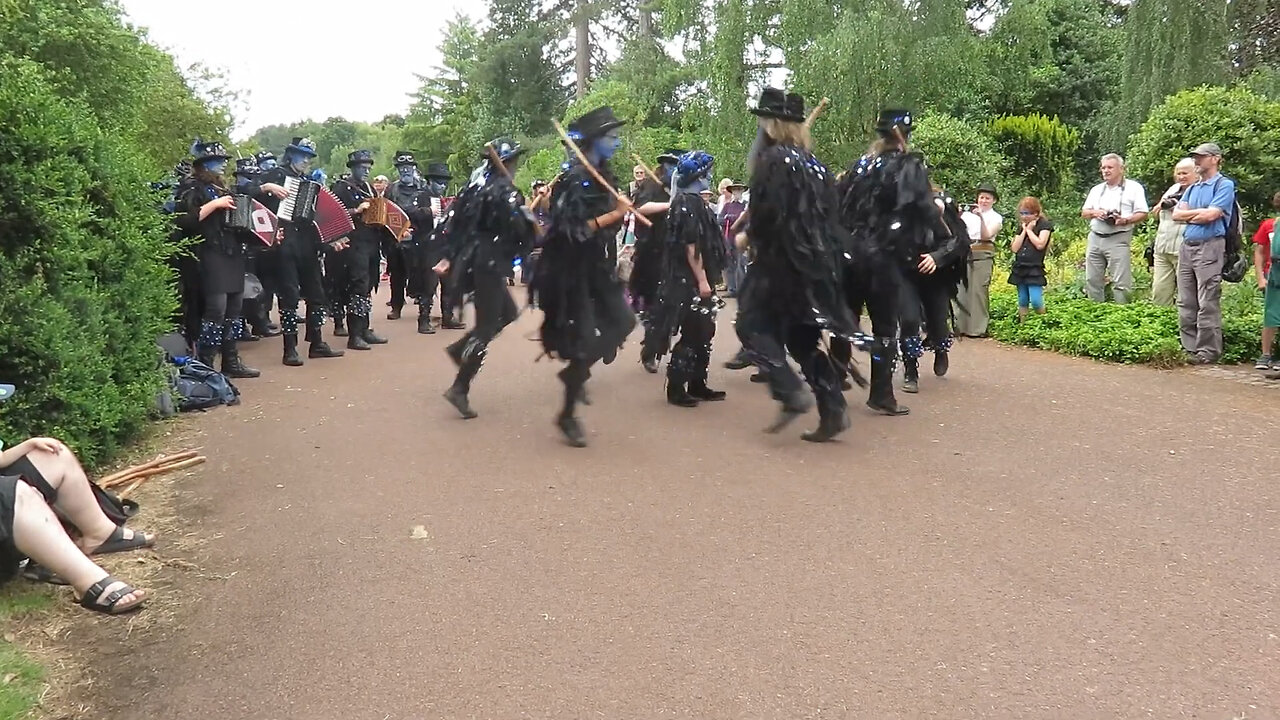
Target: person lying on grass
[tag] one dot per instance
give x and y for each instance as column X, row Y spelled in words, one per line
column 30, row 529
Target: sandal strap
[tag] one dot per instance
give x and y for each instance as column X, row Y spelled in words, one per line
column 94, row 594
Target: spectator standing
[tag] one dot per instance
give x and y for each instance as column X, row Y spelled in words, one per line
column 1206, row 208
column 1029, row 247
column 972, row 309
column 1113, row 207
column 1169, row 235
column 1266, row 250
column 731, row 208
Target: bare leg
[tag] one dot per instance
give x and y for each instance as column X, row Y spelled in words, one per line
column 38, row 535
column 75, row 498
column 1268, row 340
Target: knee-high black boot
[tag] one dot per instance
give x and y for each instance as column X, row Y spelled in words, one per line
column 884, row 352
column 232, row 365
column 424, row 320
column 318, row 348
column 573, row 377
column 355, row 335
column 469, row 359
column 209, row 342
column 289, row 329
column 833, row 415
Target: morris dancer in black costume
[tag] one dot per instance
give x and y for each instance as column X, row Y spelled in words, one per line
column 299, row 260
column 354, row 285
column 693, row 255
column 646, row 272
column 793, row 292
column 489, row 227
column 585, row 313
column 887, row 205
column 405, row 258
column 203, row 202
column 933, row 271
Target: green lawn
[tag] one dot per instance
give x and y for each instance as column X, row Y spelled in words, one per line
column 20, row 678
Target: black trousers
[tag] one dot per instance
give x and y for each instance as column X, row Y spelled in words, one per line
column 300, row 279
column 494, row 311
column 354, row 286
column 398, row 270
column 691, row 356
column 924, row 305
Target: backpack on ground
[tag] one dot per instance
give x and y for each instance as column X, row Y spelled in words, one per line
column 200, row 387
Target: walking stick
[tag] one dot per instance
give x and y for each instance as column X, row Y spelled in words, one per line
column 813, row 115
column 625, row 203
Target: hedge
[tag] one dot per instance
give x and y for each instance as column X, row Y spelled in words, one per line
column 85, row 288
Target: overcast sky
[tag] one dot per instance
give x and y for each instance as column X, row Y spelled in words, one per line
column 326, row 79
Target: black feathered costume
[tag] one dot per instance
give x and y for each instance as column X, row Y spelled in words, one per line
column 680, row 310
column 926, row 298
column 793, row 291
column 489, row 227
column 586, row 318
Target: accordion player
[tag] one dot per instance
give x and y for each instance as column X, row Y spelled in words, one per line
column 240, row 217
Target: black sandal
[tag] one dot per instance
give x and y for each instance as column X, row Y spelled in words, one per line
column 118, row 543
column 41, row 574
column 91, row 597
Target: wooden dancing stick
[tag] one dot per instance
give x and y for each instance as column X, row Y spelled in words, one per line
column 493, row 157
column 157, row 470
column 813, row 114
column 625, row 203
column 647, row 171
column 162, row 460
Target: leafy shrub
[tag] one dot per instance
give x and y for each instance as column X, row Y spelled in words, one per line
column 1245, row 124
column 1041, row 148
column 84, row 286
column 960, row 155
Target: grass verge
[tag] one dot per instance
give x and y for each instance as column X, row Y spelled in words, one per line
column 21, row 678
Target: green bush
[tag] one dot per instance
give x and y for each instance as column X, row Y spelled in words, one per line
column 1135, row 333
column 84, row 285
column 1042, row 150
column 961, row 156
column 1245, row 124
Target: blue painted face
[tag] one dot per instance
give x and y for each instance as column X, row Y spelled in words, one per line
column 360, row 172
column 241, row 181
column 217, row 167
column 607, row 145
column 300, row 162
column 267, row 165
column 406, row 173
column 436, row 186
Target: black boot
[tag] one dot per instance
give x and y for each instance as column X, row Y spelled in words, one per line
column 338, row 329
column 355, row 340
column 424, row 321
column 208, row 343
column 232, row 365
column 910, row 375
column 566, row 421
column 318, row 348
column 833, row 415
column 830, row 424
column 449, row 321
column 739, row 361
column 369, row 335
column 395, row 312
column 291, row 357
column 699, row 390
column 457, row 394
column 883, row 354
column 941, row 363
column 649, row 362
column 793, row 406
column 677, row 389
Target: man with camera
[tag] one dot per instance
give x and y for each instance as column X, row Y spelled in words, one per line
column 1114, row 207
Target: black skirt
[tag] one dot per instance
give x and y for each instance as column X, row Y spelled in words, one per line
column 220, row 272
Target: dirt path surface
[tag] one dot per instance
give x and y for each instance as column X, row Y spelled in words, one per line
column 1042, row 537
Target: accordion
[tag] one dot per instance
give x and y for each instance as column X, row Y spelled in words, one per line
column 384, row 213
column 300, row 205
column 240, row 217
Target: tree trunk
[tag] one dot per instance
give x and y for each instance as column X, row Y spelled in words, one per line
column 645, row 29
column 582, row 48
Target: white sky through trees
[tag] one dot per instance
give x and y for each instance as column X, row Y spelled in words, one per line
column 358, row 59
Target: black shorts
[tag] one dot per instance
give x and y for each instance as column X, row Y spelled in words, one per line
column 21, row 469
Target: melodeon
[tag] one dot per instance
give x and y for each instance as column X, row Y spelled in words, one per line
column 300, row 204
column 311, row 201
column 239, row 217
column 382, row 212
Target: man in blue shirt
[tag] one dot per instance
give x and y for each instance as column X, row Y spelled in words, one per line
column 1206, row 208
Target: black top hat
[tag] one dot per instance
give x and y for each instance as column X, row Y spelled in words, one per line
column 359, row 157
column 437, row 170
column 596, row 123
column 892, row 118
column 670, row 156
column 201, row 151
column 988, row 187
column 303, row 145
column 262, row 155
column 247, row 167
column 774, row 103
column 404, row 157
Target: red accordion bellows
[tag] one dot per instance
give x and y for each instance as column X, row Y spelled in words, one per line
column 332, row 219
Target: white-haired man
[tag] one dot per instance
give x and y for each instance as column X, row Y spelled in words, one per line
column 1113, row 207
